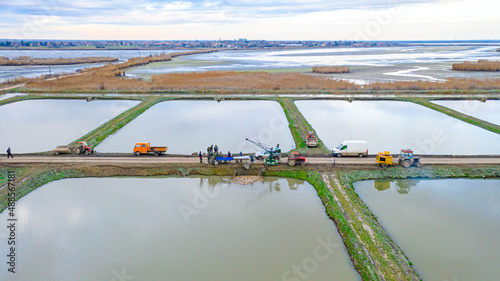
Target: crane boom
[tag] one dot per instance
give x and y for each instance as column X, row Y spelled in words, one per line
column 259, row 145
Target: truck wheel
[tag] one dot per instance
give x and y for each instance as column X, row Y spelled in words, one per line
column 157, row 153
column 78, row 150
column 303, row 164
column 259, row 157
column 339, row 155
column 56, row 153
column 360, row 155
column 291, row 162
column 406, row 163
column 384, row 166
column 137, row 153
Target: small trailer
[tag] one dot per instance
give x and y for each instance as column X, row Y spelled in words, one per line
column 146, row 148
column 222, row 159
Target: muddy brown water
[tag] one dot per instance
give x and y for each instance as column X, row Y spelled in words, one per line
column 448, row 228
column 196, row 228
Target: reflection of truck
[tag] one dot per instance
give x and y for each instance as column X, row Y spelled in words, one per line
column 311, row 140
column 146, row 148
column 351, row 148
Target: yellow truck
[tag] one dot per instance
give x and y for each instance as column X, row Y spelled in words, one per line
column 146, row 148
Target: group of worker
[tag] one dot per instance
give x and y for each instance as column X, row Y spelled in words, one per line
column 213, row 151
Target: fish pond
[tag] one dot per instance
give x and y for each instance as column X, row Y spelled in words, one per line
column 393, row 125
column 448, row 228
column 191, row 126
column 487, row 111
column 203, row 228
column 41, row 125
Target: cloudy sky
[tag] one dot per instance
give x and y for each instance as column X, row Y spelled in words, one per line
column 252, row 19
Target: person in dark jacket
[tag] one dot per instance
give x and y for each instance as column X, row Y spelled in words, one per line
column 201, row 157
column 216, row 148
column 9, row 153
column 229, row 154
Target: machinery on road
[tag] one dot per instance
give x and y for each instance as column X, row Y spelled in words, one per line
column 274, row 154
column 405, row 159
column 79, row 148
column 311, row 140
column 146, row 148
column 294, row 158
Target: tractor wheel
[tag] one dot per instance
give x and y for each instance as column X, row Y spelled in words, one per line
column 303, row 164
column 384, row 166
column 87, row 152
column 360, row 155
column 419, row 165
column 137, row 153
column 339, row 155
column 406, row 163
column 291, row 162
column 78, row 150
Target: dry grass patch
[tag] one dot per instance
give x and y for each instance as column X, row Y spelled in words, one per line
column 480, row 65
column 4, row 61
column 331, row 69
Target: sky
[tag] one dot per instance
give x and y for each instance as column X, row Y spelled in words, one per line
column 250, row 19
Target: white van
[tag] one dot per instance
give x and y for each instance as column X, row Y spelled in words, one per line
column 351, row 148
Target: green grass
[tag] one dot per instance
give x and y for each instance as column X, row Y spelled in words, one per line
column 299, row 127
column 96, row 136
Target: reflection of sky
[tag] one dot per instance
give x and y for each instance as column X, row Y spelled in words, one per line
column 392, row 126
column 71, row 228
column 488, row 111
column 11, row 72
column 41, row 125
column 190, row 126
column 452, row 222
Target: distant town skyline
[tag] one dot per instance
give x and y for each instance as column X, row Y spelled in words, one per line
column 361, row 20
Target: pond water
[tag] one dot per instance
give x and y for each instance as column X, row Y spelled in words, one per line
column 392, row 126
column 488, row 111
column 175, row 229
column 190, row 126
column 431, row 63
column 41, row 125
column 448, row 228
column 12, row 72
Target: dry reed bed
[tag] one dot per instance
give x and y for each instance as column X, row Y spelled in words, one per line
column 231, row 80
column 330, row 69
column 4, row 61
column 480, row 65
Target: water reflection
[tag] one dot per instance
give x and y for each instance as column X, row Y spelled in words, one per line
column 41, row 125
column 488, row 110
column 74, row 229
column 448, row 228
column 190, row 126
column 392, row 126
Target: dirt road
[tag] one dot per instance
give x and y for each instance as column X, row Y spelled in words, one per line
column 111, row 160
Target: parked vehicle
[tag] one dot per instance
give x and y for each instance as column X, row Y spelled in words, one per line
column 294, row 158
column 146, row 148
column 311, row 140
column 351, row 148
column 407, row 159
column 385, row 159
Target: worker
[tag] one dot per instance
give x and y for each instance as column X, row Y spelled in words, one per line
column 241, row 153
column 212, row 148
column 9, row 153
column 201, row 157
column 216, row 148
column 229, row 154
column 251, row 157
